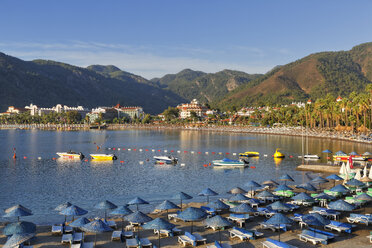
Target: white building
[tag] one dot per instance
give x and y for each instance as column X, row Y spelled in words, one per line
column 35, row 110
column 193, row 106
column 130, row 112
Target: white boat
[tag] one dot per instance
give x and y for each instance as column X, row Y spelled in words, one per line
column 166, row 159
column 71, row 155
column 229, row 163
column 103, row 157
column 310, row 157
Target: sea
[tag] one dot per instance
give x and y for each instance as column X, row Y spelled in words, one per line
column 39, row 181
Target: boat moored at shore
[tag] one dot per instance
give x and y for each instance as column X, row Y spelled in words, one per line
column 71, row 155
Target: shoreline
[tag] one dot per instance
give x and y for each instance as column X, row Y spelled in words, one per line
column 286, row 131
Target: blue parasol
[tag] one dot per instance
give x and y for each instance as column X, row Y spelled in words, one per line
column 208, row 192
column 73, row 211
column 105, row 205
column 237, row 190
column 166, row 205
column 334, row 177
column 252, row 185
column 327, row 151
column 303, row 197
column 341, row 205
column 181, row 196
column 278, row 206
column 96, row 226
column 278, row 219
column 340, row 189
column 218, row 205
column 121, row 211
column 18, row 239
column 192, row 214
column 282, row 187
column 306, row 186
column 138, row 217
column 17, row 211
column 243, row 208
column 20, row 227
column 136, row 201
column 354, row 182
column 286, row 178
column 217, row 222
column 315, row 219
column 79, row 222
column 265, row 194
column 158, row 224
column 238, row 198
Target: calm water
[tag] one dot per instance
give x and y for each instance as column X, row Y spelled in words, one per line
column 42, row 184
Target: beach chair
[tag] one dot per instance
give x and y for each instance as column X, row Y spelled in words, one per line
column 132, row 243
column 199, row 238
column 128, row 234
column 66, row 238
column 116, row 235
column 328, row 234
column 338, row 226
column 186, row 239
column 68, row 229
column 87, row 245
column 325, row 212
column 360, row 218
column 144, row 242
column 370, row 237
column 240, row 233
column 77, row 237
column 76, row 245
column 313, row 237
column 219, row 245
column 292, row 206
column 57, row 229
column 297, row 217
column 273, row 227
column 166, row 233
column 272, row 243
column 238, row 217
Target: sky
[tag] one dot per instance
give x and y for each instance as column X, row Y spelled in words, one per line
column 154, row 38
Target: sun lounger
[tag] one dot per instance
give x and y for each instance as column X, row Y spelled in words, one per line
column 328, row 234
column 208, row 210
column 360, row 218
column 315, row 238
column 219, row 245
column 272, row 243
column 239, row 218
column 76, row 245
column 77, row 237
column 326, row 212
column 144, row 242
column 167, row 233
column 240, row 233
column 132, row 243
column 128, row 234
column 186, row 239
column 338, row 226
column 273, row 227
column 199, row 238
column 68, row 229
column 116, row 235
column 66, row 238
column 57, row 229
column 265, row 212
column 87, row 245
column 297, row 217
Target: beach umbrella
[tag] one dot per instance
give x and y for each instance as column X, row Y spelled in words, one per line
column 63, row 206
column 340, row 189
column 340, row 153
column 239, row 197
column 96, row 226
column 237, row 190
column 181, row 196
column 73, row 211
column 270, row 183
column 354, row 182
column 266, row 194
column 365, row 180
column 323, row 197
column 306, row 186
column 17, row 211
column 341, row 205
column 105, row 205
column 283, row 187
column 217, row 222
column 334, row 177
column 192, row 214
column 167, row 205
column 137, row 201
column 278, row 219
column 208, row 192
column 138, row 217
column 218, row 205
column 364, row 197
column 242, row 208
column 315, row 219
column 353, row 153
column 158, row 224
column 79, row 222
column 319, row 180
column 121, row 211
column 279, row 206
column 20, row 227
column 303, row 197
column 253, row 201
column 328, row 152
column 367, row 154
column 286, row 178
column 252, row 184
column 18, row 239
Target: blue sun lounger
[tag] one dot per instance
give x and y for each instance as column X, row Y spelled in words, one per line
column 272, row 243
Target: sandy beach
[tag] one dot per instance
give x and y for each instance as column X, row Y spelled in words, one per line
column 357, row 238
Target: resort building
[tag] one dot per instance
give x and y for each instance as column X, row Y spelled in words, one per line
column 131, row 112
column 35, row 110
column 339, row 99
column 13, row 111
column 193, row 106
column 106, row 113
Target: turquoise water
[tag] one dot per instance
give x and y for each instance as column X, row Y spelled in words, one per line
column 40, row 183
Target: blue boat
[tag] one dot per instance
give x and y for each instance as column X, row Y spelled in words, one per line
column 229, row 163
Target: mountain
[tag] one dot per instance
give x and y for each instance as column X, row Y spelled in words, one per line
column 314, row 76
column 206, row 87
column 47, row 83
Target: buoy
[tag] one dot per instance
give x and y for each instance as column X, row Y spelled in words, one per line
column 140, row 162
column 234, row 154
column 109, row 148
column 199, row 152
column 185, row 151
column 205, row 165
column 146, row 150
column 253, row 167
column 86, row 160
column 14, row 156
column 140, row 150
column 213, row 153
column 220, row 153
column 206, row 153
column 291, row 156
column 153, row 150
column 129, row 149
column 147, row 159
column 159, row 150
column 265, row 155
column 172, row 150
column 227, row 153
column 165, row 150
column 24, row 157
column 39, row 158
column 114, row 148
column 121, row 161
column 192, row 152
column 54, row 158
column 178, row 151
column 161, row 163
column 210, row 164
column 328, row 158
column 183, row 164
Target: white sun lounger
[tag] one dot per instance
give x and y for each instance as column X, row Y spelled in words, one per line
column 116, row 235
column 66, row 238
column 272, row 243
column 185, row 240
column 145, row 242
column 236, row 233
column 57, row 229
column 219, row 245
column 87, row 245
column 168, row 233
column 131, row 243
column 77, row 237
column 76, row 245
column 370, row 238
column 199, row 238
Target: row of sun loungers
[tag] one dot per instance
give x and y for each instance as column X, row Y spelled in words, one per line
column 273, row 227
column 191, row 239
column 272, row 243
column 219, row 245
column 360, row 218
column 244, row 234
column 168, row 233
column 118, row 235
column 326, row 212
column 313, row 237
column 71, row 238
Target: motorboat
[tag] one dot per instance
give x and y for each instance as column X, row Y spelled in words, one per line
column 71, row 155
column 229, row 163
column 101, row 157
column 310, row 157
column 166, row 159
column 278, row 154
column 249, row 154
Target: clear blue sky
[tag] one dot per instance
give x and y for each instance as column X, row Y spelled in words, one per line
column 152, row 38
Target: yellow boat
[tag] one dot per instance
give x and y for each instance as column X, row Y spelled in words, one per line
column 103, row 157
column 249, row 154
column 278, row 154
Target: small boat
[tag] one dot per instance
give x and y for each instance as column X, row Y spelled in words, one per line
column 249, row 154
column 278, row 154
column 71, row 155
column 229, row 163
column 310, row 157
column 103, row 156
column 166, row 159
